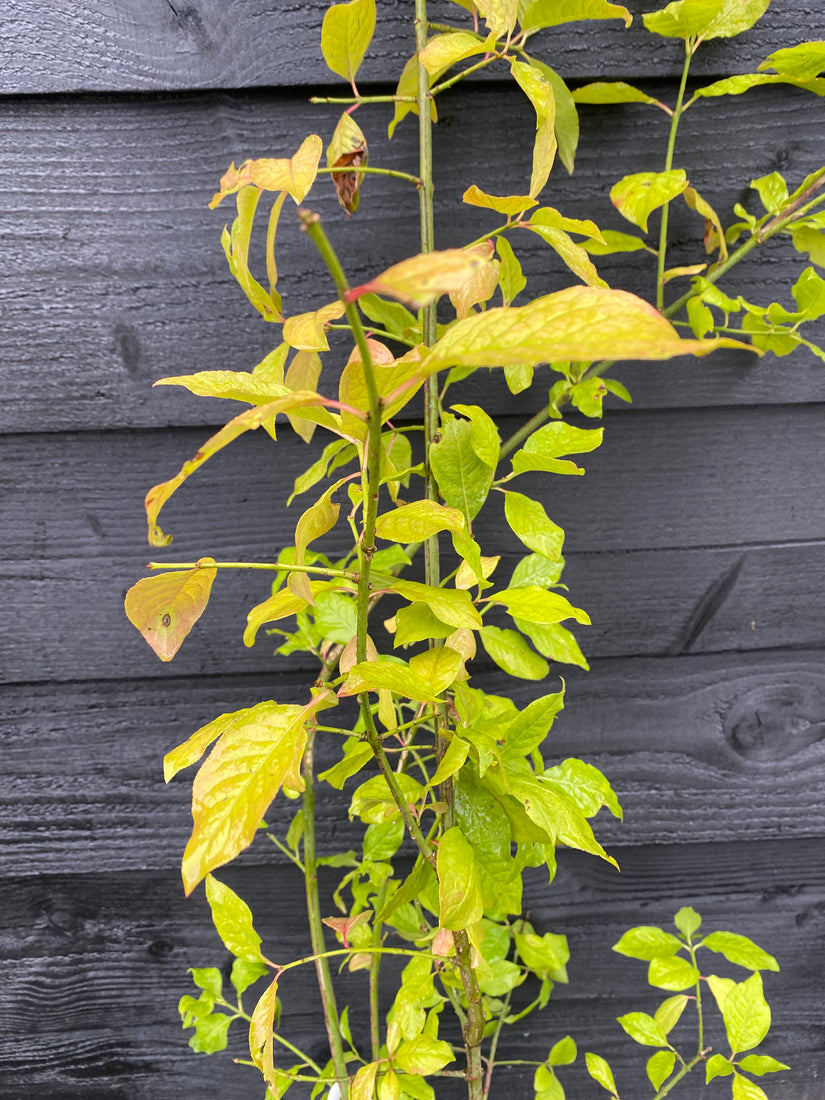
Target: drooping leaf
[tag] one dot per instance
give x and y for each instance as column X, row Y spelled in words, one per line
column 238, row 781
column 244, row 974
column 550, row 13
column 535, row 605
column 417, row 521
column 373, row 801
column 406, row 90
column 637, row 196
column 581, row 322
column 303, row 374
column 295, row 174
column 244, row 422
column 233, row 921
column 509, row 205
column 529, row 522
column 566, row 121
column 346, row 33
column 714, row 239
column 601, row 1072
column 740, row 951
column 420, row 280
column 573, row 255
column 556, row 814
column 261, row 1026
column 280, row 606
column 308, row 331
column 511, row 653
column 235, row 244
column 539, row 91
column 614, row 91
column 705, row 19
column 348, row 149
column 459, row 888
column 670, row 1011
column 477, row 289
column 166, row 606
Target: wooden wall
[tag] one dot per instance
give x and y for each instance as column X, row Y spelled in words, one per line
column 696, row 541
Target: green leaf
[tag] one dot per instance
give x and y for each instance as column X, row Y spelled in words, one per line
column 397, row 677
column 243, row 773
column 437, row 667
column 743, row 1089
column 544, row 447
column 346, row 33
column 804, row 61
column 809, row 295
column 747, row 1014
column 355, row 758
column 669, row 1012
column 539, row 91
column 717, row 1066
column 556, row 814
column 524, row 733
column 809, row 241
column 511, row 277
column 581, row 322
column 245, row 973
column 530, row 523
column 484, row 437
column 463, row 479
column 233, row 920
column 566, row 122
column 643, row 1029
column 672, row 973
column 207, row 978
column 773, row 191
column 166, row 606
column 449, row 605
column 544, row 955
column 417, row 521
column 647, row 942
column 615, row 91
column 374, row 804
column 210, row 1033
column 261, row 1026
column 454, row 756
column 563, row 1053
column 417, row 623
column 511, row 653
column 637, row 196
column 601, row 1072
column 550, row 13
column 444, row 50
column 660, row 1066
column 736, row 85
column 740, row 951
column 760, row 1064
column 280, row 606
column 585, row 785
column 614, row 242
column 554, row 641
column 688, row 921
column 422, row 1055
column 574, row 256
column 535, row 569
column 392, row 316
column 534, row 605
column 705, row 19
column 336, row 616
column 460, row 902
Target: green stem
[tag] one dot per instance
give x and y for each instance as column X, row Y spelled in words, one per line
column 379, row 332
column 241, row 1015
column 375, row 967
column 671, row 146
column 279, row 567
column 363, row 171
column 683, row 1072
column 363, row 99
column 437, row 89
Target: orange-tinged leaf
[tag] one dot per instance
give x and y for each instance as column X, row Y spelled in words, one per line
column 397, row 381
column 580, row 322
column 165, row 607
column 714, row 233
column 243, row 773
column 421, row 279
column 244, row 422
column 261, row 1026
column 307, row 331
column 295, row 174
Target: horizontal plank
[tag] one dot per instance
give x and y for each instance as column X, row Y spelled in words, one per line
column 683, row 538
column 96, row 963
column 697, row 748
column 115, row 275
column 157, row 45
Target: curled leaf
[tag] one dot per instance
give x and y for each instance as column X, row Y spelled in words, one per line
column 348, row 149
column 165, row 607
column 295, row 174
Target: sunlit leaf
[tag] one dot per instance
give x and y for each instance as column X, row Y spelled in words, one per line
column 660, row 1066
column 674, row 973
column 166, row 606
column 463, row 478
column 418, row 521
column 586, row 785
column 438, row 667
column 233, row 921
column 669, row 1012
column 529, row 522
column 566, row 121
column 550, row 13
column 244, row 422
column 308, row 331
column 235, row 244
column 444, row 50
column 261, row 1026
column 740, row 950
column 235, row 786
column 421, row 279
column 539, row 91
column 499, row 15
column 614, row 242
column 637, row 196
column 760, row 1064
column 705, row 19
column 459, row 889
column 744, row 1089
column 573, row 255
column 295, row 174
column 534, row 605
column 580, row 322
column 396, row 677
column 450, row 605
column 804, row 61
column 346, row 33
column 600, row 1071
column 736, row 85
column 643, row 1029
column 511, row 653
column 229, row 384
column 747, row 1014
column 195, row 746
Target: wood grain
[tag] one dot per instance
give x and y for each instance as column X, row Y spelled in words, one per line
column 697, row 747
column 118, row 218
column 96, row 963
column 158, row 44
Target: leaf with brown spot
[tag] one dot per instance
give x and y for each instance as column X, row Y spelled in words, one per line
column 348, row 149
column 165, row 607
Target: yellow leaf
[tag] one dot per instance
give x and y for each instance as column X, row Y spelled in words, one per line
column 581, row 322
column 480, row 287
column 637, row 196
column 307, row 331
column 190, row 752
column 303, row 374
column 346, row 33
column 280, row 606
column 242, row 774
column 421, row 279
column 295, row 175
column 165, row 607
column 261, row 1025
column 540, row 93
column 508, row 205
column 445, row 50
column 233, row 385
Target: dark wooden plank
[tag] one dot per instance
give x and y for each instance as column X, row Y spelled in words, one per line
column 94, row 965
column 696, row 747
column 117, row 278
column 736, row 503
column 158, row 44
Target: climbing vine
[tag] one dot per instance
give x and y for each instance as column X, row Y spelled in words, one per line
column 456, row 788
